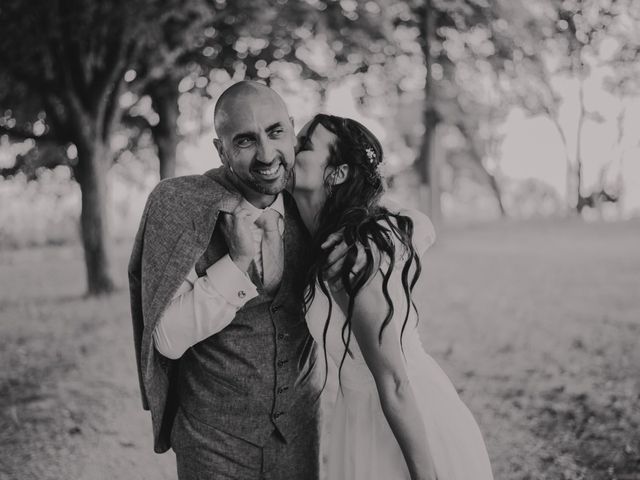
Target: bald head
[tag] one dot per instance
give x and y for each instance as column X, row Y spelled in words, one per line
column 255, row 140
column 240, row 97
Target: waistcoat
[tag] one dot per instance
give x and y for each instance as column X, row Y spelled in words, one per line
column 257, row 374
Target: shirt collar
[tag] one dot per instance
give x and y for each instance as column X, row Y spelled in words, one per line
column 277, row 205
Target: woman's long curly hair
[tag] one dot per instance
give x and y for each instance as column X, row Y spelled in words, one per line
column 352, row 207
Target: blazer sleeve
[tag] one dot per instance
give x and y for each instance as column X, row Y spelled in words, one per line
column 135, row 292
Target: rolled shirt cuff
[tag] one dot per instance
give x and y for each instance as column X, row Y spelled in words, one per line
column 230, row 282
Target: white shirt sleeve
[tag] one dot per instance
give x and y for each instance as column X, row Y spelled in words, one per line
column 202, row 307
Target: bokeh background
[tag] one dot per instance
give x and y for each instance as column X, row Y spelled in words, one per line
column 513, row 124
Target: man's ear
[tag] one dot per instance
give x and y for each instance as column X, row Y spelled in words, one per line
column 293, row 123
column 340, row 174
column 218, row 144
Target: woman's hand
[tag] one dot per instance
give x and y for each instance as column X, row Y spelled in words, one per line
column 333, row 268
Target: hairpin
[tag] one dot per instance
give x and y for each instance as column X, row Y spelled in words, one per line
column 371, row 154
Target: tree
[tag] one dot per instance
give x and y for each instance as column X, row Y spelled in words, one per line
column 64, row 85
column 572, row 36
column 623, row 81
column 63, row 90
column 463, row 43
column 580, row 26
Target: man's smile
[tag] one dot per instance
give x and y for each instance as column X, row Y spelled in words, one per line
column 270, row 172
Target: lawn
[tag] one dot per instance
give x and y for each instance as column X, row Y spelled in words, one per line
column 538, row 325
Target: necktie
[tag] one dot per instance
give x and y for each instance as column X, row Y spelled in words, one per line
column 272, row 249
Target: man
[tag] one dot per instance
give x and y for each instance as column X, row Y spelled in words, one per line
column 225, row 360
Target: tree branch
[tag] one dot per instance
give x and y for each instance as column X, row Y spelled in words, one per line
column 114, row 64
column 69, row 54
column 160, row 70
column 77, row 115
column 56, row 118
column 170, row 58
column 114, row 112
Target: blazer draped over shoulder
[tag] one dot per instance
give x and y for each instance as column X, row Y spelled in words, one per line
column 176, row 228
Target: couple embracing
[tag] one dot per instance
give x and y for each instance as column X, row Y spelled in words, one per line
column 251, row 282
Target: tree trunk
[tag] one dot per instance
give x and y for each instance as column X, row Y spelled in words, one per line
column 569, row 183
column 580, row 204
column 493, row 183
column 91, row 173
column 571, row 195
column 427, row 161
column 428, row 169
column 165, row 134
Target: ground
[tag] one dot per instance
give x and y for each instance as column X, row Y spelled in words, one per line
column 538, row 325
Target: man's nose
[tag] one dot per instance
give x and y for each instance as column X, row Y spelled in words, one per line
column 267, row 152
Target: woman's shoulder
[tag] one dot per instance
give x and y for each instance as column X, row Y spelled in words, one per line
column 424, row 234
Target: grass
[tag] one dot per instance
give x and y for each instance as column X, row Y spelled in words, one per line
column 538, row 325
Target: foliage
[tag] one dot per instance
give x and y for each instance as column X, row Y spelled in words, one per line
column 135, row 79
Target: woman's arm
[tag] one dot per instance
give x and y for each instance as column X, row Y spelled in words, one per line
column 386, row 362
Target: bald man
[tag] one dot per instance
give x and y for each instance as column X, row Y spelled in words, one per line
column 225, row 360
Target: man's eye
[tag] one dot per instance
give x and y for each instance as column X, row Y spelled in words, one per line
column 277, row 132
column 244, row 142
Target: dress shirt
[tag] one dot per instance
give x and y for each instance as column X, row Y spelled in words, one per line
column 206, row 305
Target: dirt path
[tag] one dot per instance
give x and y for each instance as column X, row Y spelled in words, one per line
column 122, row 449
column 69, row 399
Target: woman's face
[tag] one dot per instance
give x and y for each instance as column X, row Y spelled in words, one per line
column 312, row 154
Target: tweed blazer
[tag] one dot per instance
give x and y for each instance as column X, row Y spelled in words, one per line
column 176, row 228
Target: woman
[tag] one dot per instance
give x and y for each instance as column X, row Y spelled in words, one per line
column 397, row 415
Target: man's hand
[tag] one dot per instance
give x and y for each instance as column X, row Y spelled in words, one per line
column 335, row 261
column 236, row 228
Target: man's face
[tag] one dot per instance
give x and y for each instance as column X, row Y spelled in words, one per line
column 257, row 144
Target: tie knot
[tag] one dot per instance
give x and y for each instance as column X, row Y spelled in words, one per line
column 268, row 220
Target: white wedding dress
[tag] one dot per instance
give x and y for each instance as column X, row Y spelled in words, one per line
column 359, row 444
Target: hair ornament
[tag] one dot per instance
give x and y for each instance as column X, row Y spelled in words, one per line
column 371, row 155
